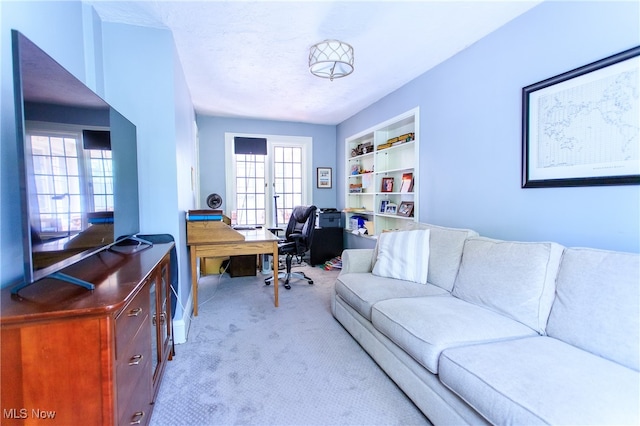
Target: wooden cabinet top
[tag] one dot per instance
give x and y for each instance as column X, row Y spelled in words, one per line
column 117, row 276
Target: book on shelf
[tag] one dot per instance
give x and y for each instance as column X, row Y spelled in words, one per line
column 407, row 137
column 355, row 188
column 407, row 182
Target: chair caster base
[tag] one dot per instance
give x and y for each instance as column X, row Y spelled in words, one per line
column 286, row 285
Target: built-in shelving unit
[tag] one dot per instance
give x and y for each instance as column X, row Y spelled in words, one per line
column 386, row 153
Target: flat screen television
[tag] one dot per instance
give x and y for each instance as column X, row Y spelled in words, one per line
column 78, row 168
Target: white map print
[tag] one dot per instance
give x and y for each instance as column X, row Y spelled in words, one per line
column 595, row 123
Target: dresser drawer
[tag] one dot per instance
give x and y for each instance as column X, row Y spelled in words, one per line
column 133, row 377
column 136, row 408
column 129, row 320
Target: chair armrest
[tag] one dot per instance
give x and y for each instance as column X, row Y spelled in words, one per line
column 299, row 239
column 357, row 260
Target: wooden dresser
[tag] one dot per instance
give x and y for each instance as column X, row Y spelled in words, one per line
column 74, row 356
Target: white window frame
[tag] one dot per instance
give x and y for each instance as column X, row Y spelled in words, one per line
column 305, row 142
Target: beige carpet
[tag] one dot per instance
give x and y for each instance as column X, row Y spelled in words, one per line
column 249, row 363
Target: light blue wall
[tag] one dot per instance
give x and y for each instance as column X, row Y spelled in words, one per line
column 186, row 166
column 139, row 84
column 144, row 81
column 470, row 130
column 212, row 168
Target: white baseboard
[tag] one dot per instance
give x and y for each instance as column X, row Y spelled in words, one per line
column 181, row 325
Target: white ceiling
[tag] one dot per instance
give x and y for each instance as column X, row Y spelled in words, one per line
column 250, row 58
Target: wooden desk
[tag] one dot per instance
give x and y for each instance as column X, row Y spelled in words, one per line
column 216, row 239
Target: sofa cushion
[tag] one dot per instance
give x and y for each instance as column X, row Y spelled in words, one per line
column 597, row 305
column 516, row 279
column 445, row 251
column 541, row 380
column 362, row 290
column 403, row 255
column 425, row 326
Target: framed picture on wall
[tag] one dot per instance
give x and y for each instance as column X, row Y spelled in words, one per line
column 580, row 128
column 324, row 178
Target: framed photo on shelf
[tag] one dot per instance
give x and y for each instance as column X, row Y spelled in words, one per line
column 387, row 184
column 406, row 209
column 575, row 125
column 324, row 179
column 383, row 206
column 391, row 208
column 407, row 182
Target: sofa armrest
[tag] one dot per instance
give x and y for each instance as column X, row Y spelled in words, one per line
column 357, row 260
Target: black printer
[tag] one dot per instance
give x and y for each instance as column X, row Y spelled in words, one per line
column 328, row 218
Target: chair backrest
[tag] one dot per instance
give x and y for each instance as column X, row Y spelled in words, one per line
column 302, row 221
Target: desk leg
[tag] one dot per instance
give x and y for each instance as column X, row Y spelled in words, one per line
column 276, row 282
column 194, row 280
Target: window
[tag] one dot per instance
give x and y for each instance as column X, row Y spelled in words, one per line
column 69, row 180
column 56, row 171
column 287, row 162
column 101, row 172
column 250, row 189
column 257, row 179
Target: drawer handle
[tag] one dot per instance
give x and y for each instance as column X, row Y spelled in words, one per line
column 137, row 418
column 163, row 319
column 135, row 360
column 134, row 312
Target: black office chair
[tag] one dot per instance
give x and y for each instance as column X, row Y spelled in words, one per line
column 296, row 242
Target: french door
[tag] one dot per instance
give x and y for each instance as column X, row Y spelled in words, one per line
column 256, row 183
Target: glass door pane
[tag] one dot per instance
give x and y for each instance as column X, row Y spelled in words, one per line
column 287, row 165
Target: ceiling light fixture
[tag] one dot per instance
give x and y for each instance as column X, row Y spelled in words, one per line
column 331, row 59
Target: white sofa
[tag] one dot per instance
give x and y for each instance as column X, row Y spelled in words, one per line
column 500, row 332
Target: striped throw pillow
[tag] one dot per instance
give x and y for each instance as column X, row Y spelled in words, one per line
column 403, row 255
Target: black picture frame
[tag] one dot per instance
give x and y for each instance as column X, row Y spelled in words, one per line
column 324, row 177
column 564, row 130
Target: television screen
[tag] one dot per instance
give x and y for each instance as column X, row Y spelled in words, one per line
column 79, row 177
